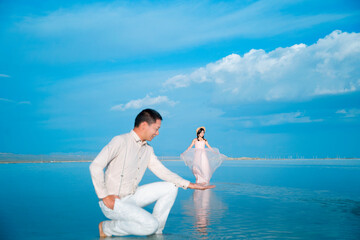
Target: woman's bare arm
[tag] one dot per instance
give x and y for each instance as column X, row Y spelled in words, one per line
column 208, row 145
column 192, row 144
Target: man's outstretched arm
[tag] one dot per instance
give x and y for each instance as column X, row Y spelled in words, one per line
column 165, row 174
column 200, row 186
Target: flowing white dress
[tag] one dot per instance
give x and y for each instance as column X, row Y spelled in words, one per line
column 202, row 161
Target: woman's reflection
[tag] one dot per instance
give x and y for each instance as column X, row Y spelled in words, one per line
column 207, row 209
column 202, row 210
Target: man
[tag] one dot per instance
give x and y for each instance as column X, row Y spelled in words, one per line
column 125, row 160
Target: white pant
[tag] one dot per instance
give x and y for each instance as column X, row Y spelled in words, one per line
column 128, row 216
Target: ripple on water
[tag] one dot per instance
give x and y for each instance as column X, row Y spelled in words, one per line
column 241, row 211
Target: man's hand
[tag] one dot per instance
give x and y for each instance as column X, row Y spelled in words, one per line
column 199, row 186
column 109, row 201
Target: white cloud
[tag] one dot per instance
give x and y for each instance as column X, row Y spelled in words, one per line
column 25, row 102
column 113, row 30
column 274, row 119
column 6, row 100
column 144, row 102
column 350, row 113
column 343, row 111
column 12, row 101
column 178, row 81
column 330, row 66
column 4, row 76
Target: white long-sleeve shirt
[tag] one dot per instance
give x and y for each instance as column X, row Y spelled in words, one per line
column 125, row 160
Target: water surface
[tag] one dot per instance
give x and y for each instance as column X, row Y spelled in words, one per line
column 252, row 200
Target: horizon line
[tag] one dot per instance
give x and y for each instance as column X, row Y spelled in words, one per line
column 174, row 160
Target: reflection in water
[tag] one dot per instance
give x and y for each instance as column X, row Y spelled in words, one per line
column 151, row 237
column 258, row 201
column 207, row 209
column 202, row 210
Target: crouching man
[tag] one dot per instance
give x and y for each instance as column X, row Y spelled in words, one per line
column 125, row 160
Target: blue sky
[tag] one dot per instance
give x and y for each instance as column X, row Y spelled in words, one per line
column 266, row 78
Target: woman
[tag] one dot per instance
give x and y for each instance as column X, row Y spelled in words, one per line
column 202, row 161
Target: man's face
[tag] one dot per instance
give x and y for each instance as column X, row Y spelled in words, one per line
column 152, row 130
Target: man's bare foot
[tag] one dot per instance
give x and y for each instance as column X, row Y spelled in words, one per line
column 101, row 233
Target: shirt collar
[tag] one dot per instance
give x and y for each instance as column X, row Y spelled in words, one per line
column 137, row 138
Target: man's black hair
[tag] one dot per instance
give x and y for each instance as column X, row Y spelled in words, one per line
column 147, row 115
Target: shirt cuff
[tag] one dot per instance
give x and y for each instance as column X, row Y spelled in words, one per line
column 102, row 194
column 184, row 184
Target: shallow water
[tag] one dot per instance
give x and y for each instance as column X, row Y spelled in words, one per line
column 252, row 200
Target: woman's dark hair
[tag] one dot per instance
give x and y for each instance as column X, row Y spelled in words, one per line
column 147, row 115
column 198, row 133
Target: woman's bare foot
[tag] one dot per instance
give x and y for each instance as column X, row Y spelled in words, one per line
column 101, row 233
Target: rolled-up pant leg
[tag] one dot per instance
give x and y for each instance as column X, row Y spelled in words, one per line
column 128, row 216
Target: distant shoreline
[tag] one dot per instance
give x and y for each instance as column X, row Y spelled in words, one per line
column 173, row 160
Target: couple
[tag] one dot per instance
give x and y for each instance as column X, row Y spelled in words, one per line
column 125, row 160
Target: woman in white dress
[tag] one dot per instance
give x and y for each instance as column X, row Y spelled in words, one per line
column 202, row 161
